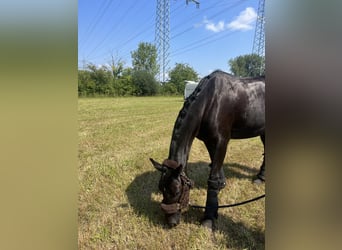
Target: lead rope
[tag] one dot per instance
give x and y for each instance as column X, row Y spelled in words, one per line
column 231, row 205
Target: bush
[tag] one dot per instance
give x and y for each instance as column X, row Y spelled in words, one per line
column 144, row 83
column 169, row 88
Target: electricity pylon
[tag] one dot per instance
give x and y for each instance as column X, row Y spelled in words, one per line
column 162, row 36
column 259, row 36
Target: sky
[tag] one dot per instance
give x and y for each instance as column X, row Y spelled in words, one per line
column 205, row 38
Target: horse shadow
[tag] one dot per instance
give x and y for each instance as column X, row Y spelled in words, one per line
column 143, row 196
column 140, row 194
column 199, row 172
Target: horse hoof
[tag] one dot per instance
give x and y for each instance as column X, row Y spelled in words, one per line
column 258, row 181
column 207, row 223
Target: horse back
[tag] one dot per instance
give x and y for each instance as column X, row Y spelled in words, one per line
column 233, row 107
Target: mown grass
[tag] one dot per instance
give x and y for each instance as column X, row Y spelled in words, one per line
column 119, row 198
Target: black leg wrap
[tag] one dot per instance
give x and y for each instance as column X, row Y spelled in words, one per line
column 260, row 178
column 211, row 205
column 261, row 174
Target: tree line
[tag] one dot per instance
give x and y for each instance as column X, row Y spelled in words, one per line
column 114, row 79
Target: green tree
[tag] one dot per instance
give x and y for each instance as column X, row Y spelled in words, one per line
column 106, row 81
column 86, row 86
column 145, row 58
column 246, row 65
column 168, row 88
column 179, row 74
column 145, row 83
column 116, row 66
column 103, row 80
column 124, row 84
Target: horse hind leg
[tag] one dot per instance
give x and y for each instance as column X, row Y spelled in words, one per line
column 260, row 178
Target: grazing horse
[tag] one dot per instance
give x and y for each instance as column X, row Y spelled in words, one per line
column 222, row 107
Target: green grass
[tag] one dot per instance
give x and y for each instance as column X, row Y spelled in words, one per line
column 119, row 198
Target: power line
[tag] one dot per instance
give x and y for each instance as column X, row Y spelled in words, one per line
column 97, row 19
column 212, row 16
column 200, row 43
column 148, row 27
column 197, row 13
column 122, row 17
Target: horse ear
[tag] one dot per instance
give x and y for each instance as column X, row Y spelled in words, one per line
column 158, row 166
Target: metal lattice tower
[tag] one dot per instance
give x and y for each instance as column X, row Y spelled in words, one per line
column 259, row 36
column 196, row 2
column 162, row 37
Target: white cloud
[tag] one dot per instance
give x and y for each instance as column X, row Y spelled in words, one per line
column 209, row 25
column 244, row 20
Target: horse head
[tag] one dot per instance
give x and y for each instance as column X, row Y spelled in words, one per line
column 175, row 186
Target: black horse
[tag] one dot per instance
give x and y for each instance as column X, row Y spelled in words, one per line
column 220, row 108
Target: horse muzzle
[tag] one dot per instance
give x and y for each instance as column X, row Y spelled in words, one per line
column 170, row 208
column 172, row 213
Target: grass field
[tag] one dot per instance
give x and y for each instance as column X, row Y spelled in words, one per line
column 119, row 198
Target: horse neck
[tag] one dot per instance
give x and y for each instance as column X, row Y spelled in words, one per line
column 184, row 132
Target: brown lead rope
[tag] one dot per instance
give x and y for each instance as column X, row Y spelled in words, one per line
column 231, row 205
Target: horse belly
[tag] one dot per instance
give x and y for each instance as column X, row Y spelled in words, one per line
column 250, row 124
column 244, row 133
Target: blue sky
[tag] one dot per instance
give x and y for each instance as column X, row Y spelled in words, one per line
column 205, row 37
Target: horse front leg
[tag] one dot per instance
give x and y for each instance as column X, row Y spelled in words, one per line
column 216, row 182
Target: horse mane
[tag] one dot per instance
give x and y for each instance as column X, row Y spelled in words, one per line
column 190, row 100
column 218, row 71
column 246, row 79
column 253, row 79
column 186, row 106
